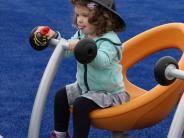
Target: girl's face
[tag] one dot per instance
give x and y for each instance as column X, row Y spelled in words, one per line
column 82, row 16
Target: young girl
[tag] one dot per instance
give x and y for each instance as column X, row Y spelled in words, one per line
column 99, row 83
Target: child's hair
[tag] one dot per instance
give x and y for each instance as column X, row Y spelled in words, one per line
column 103, row 19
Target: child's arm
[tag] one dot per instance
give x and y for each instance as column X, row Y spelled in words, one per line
column 72, row 43
column 107, row 54
column 50, row 34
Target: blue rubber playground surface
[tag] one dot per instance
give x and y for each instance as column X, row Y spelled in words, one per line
column 21, row 67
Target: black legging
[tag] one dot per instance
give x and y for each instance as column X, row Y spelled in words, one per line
column 81, row 109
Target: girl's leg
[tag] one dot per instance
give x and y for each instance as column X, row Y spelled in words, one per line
column 81, row 121
column 61, row 111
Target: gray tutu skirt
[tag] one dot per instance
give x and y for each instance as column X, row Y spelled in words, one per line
column 101, row 98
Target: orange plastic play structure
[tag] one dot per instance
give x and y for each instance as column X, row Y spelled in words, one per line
column 145, row 108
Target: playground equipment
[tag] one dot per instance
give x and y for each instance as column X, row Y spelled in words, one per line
column 145, row 108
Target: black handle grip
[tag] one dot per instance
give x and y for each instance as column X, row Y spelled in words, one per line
column 38, row 41
column 85, row 51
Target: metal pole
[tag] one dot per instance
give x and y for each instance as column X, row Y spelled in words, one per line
column 177, row 125
column 42, row 93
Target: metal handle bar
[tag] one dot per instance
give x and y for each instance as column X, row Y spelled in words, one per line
column 64, row 42
column 171, row 72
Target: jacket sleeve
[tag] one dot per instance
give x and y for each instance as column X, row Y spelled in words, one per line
column 69, row 53
column 106, row 55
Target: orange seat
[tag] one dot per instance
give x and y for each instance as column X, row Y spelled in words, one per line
column 145, row 107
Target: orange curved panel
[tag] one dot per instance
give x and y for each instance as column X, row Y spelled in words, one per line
column 145, row 107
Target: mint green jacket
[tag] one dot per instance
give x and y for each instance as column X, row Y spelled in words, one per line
column 105, row 71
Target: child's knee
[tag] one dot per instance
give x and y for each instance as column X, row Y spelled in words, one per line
column 80, row 104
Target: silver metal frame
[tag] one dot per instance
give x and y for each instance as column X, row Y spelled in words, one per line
column 177, row 125
column 45, row 84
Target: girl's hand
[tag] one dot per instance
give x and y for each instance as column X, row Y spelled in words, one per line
column 47, row 31
column 72, row 44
